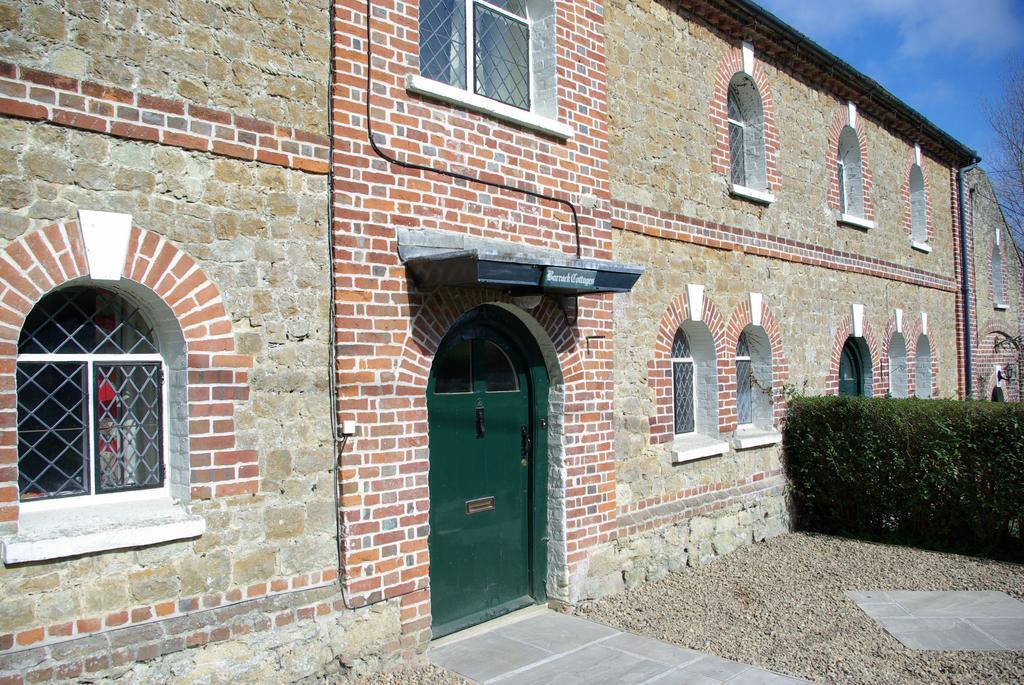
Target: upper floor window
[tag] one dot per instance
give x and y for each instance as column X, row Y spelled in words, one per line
column 997, row 272
column 90, row 397
column 746, row 134
column 481, row 46
column 851, row 180
column 918, row 209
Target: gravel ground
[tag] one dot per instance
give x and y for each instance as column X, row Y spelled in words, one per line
column 781, row 605
column 424, row 675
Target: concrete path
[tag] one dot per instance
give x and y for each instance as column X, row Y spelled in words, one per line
column 539, row 647
column 951, row 621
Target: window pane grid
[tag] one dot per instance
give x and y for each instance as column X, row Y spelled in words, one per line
column 680, row 346
column 682, row 391
column 86, row 320
column 52, row 430
column 744, row 404
column 736, row 154
column 127, row 426
column 443, row 41
column 842, row 186
column 501, row 66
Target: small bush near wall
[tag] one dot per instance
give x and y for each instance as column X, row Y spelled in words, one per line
column 938, row 473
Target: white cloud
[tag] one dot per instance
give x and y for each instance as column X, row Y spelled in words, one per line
column 986, row 28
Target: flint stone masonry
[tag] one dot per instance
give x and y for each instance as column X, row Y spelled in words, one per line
column 265, row 59
column 258, row 233
column 305, row 634
column 694, row 541
column 661, row 137
column 990, row 324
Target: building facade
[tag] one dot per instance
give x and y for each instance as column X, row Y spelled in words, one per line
column 333, row 327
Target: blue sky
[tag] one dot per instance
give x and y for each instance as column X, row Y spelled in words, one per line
column 945, row 58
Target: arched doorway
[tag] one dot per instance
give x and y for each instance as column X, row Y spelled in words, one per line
column 855, row 368
column 487, row 411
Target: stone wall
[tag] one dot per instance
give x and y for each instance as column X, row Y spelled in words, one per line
column 206, row 122
column 994, row 316
column 259, row 233
column 265, row 59
column 788, row 256
column 662, row 141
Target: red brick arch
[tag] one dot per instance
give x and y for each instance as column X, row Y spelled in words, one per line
column 444, row 307
column 218, row 378
column 659, row 369
column 728, row 67
column 986, row 357
column 878, row 384
column 740, row 319
column 840, row 120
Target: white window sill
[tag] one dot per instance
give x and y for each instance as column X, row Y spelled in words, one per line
column 760, row 196
column 1001, row 306
column 478, row 103
column 696, row 446
column 749, row 438
column 68, row 532
column 921, row 247
column 852, row 220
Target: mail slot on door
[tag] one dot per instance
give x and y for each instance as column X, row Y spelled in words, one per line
column 475, row 506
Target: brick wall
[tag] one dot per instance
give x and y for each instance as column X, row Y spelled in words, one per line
column 387, row 329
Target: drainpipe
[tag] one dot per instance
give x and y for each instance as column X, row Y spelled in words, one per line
column 965, row 289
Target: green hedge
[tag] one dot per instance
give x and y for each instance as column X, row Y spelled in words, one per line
column 939, row 473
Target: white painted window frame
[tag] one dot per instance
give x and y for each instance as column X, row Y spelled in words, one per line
column 468, row 97
column 92, row 498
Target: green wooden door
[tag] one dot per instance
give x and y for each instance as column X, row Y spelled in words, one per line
column 851, row 370
column 481, row 435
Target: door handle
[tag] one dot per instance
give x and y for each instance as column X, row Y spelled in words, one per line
column 480, row 427
column 526, row 444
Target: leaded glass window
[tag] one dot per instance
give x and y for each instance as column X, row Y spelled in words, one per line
column 746, row 133
column 682, row 385
column 851, row 188
column 89, row 398
column 997, row 272
column 918, row 207
column 483, row 43
column 744, row 377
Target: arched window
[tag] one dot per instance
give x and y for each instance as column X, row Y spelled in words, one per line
column 746, row 133
column 923, row 368
column 997, row 272
column 498, row 49
column 851, row 180
column 682, row 385
column 918, row 210
column 897, row 365
column 694, row 380
column 754, row 378
column 90, row 397
column 855, row 368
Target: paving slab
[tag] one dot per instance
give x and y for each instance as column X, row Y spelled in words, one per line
column 949, row 621
column 548, row 648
